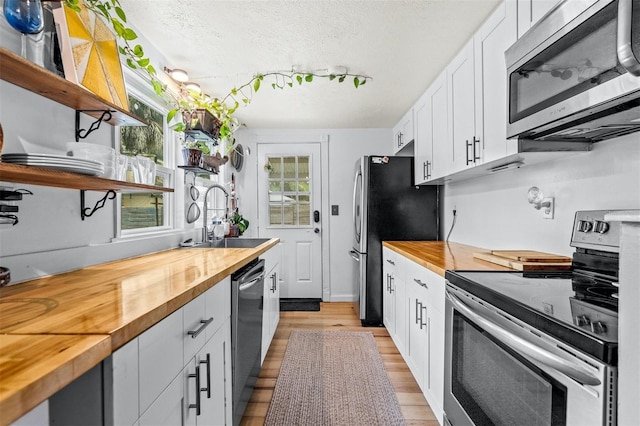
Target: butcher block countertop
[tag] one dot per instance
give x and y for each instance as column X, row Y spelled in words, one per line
column 438, row 256
column 54, row 329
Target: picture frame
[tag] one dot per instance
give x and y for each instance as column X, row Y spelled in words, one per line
column 90, row 55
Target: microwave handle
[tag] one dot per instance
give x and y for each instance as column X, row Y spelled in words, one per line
column 524, row 347
column 625, row 53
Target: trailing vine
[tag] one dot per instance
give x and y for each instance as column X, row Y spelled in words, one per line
column 222, row 108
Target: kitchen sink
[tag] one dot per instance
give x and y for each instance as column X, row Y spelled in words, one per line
column 233, row 243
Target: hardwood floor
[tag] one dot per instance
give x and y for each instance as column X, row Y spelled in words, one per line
column 338, row 316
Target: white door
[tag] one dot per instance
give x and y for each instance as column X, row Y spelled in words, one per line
column 289, row 207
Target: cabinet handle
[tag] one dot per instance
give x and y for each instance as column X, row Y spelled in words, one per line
column 467, row 149
column 273, row 282
column 476, row 157
column 425, row 170
column 200, row 329
column 197, row 377
column 391, row 280
column 420, row 283
column 418, row 319
column 391, row 262
column 208, row 388
column 421, row 317
column 399, row 139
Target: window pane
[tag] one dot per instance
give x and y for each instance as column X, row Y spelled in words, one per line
column 304, row 198
column 289, row 216
column 303, row 167
column 275, row 214
column 303, row 186
column 276, row 168
column 289, row 167
column 290, row 186
column 304, row 214
column 275, row 186
column 142, row 210
column 144, row 140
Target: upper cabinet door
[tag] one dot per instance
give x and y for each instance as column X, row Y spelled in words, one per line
column 461, row 88
column 422, row 144
column 494, row 37
column 403, row 133
column 530, row 12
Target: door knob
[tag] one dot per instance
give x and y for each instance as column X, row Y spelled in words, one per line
column 316, row 230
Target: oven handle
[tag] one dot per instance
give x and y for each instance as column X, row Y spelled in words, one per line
column 526, row 348
column 625, row 53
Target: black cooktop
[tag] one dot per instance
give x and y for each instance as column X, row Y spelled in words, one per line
column 578, row 309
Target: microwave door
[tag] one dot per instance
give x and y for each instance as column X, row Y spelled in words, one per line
column 628, row 36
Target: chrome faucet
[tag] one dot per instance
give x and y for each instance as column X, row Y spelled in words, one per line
column 205, row 232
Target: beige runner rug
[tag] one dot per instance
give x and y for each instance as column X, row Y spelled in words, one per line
column 333, row 378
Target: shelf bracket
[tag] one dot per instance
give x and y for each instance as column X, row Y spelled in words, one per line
column 81, row 133
column 87, row 211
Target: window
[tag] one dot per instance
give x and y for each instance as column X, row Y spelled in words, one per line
column 289, row 191
column 146, row 211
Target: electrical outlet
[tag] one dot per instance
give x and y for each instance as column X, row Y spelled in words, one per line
column 547, row 211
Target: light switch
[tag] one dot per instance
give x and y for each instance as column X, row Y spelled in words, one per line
column 334, row 210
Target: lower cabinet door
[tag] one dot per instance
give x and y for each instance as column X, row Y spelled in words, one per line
column 215, row 383
column 166, row 410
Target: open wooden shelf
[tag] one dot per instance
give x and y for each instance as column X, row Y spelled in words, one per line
column 59, row 179
column 19, row 71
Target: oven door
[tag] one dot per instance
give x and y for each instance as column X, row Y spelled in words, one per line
column 568, row 66
column 495, row 374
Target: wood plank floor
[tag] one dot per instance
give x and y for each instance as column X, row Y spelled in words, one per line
column 337, row 316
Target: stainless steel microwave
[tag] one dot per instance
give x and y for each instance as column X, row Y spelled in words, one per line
column 575, row 75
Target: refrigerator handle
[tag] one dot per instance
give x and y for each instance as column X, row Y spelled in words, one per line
column 355, row 190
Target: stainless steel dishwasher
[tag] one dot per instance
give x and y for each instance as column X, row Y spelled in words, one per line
column 247, row 289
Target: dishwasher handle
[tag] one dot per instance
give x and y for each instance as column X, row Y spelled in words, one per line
column 248, row 285
column 252, row 273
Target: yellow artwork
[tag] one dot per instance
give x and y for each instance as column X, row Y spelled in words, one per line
column 95, row 56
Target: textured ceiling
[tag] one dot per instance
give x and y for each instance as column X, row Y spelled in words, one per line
column 402, row 45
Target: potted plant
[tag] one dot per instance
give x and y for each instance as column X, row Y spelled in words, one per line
column 238, row 224
column 193, row 151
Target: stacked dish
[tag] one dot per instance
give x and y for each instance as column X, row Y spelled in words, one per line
column 91, row 151
column 58, row 162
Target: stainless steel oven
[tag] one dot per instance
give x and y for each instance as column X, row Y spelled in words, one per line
column 537, row 347
column 575, row 75
column 500, row 371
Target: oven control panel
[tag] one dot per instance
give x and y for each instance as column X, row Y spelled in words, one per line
column 591, row 231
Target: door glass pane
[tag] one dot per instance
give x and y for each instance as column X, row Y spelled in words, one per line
column 143, row 210
column 289, row 191
column 289, row 167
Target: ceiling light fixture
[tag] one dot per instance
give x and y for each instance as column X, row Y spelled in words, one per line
column 194, row 87
column 178, row 75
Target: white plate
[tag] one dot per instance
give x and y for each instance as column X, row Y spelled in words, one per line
column 15, row 158
column 74, row 168
column 30, row 162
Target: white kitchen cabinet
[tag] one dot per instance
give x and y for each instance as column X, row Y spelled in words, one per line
column 403, row 132
column 166, row 410
column 464, row 144
column 271, row 298
column 530, row 12
column 394, row 303
column 432, row 159
column 495, row 35
column 425, row 294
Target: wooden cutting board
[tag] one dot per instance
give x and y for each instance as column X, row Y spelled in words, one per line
column 522, row 265
column 531, row 256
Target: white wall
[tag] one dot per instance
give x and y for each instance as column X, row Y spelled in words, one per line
column 345, row 146
column 493, row 212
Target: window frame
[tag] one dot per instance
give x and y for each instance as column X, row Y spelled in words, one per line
column 141, row 89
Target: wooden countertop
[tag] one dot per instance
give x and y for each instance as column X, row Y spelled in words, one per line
column 51, row 325
column 438, row 256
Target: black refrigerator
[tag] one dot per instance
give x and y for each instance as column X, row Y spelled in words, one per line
column 387, row 206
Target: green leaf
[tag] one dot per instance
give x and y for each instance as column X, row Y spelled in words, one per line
column 234, row 91
column 122, row 50
column 290, row 84
column 151, row 70
column 131, row 64
column 118, row 28
column 256, row 85
column 129, row 34
column 143, row 62
column 332, row 77
column 308, row 78
column 171, row 114
column 356, row 82
column 121, row 14
column 273, row 85
column 299, row 78
column 363, row 82
column 138, row 51
column 157, row 87
column 341, row 79
column 260, row 77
